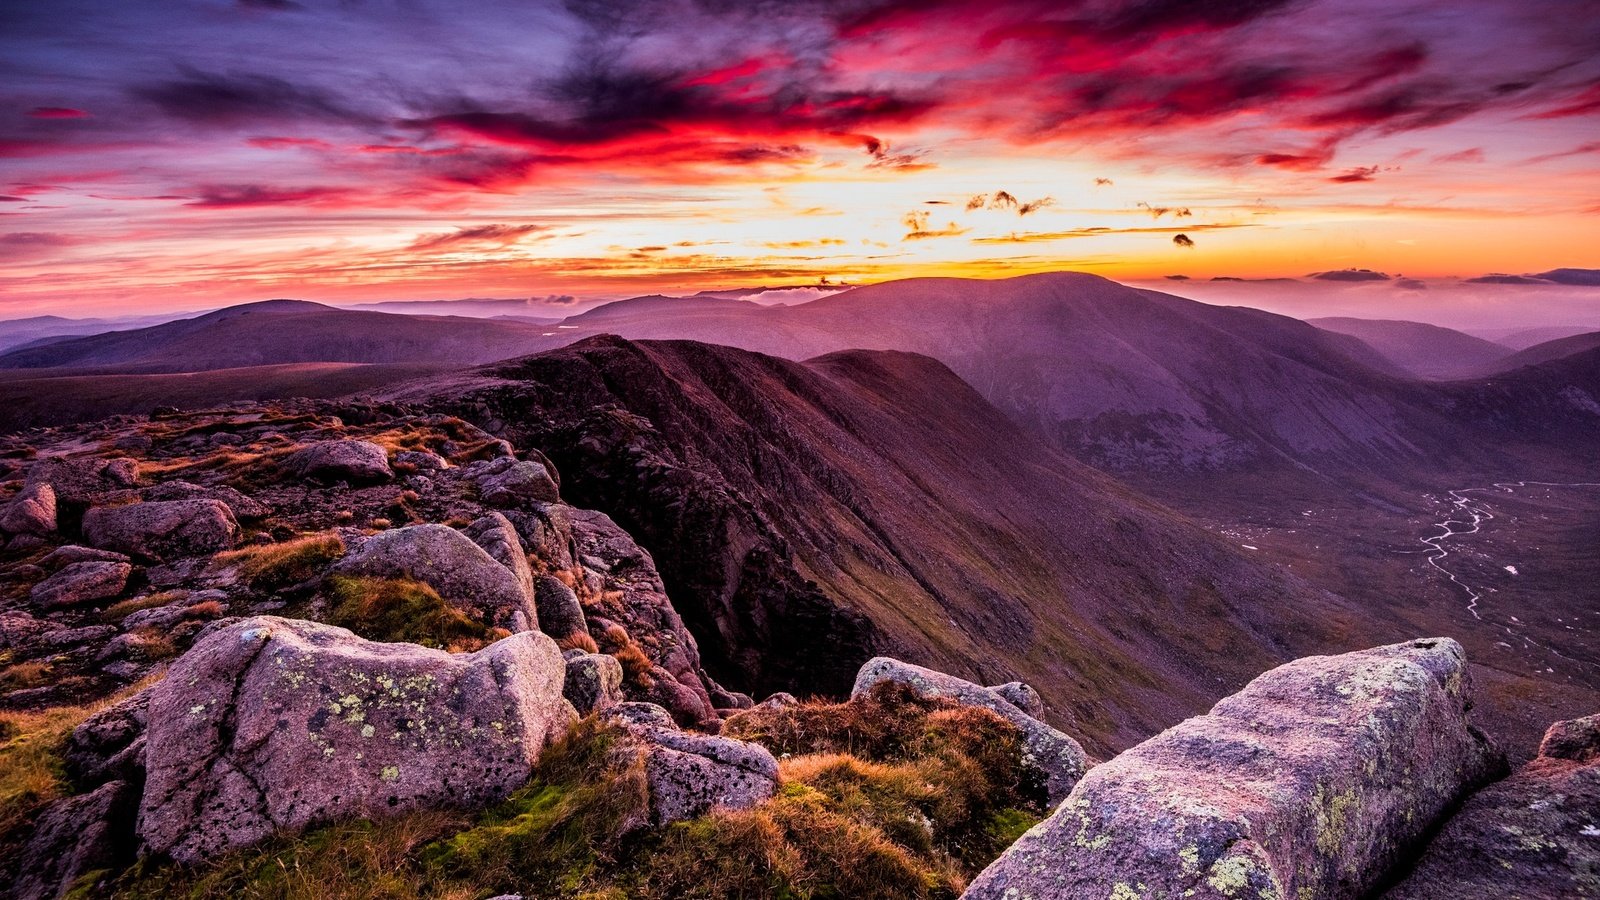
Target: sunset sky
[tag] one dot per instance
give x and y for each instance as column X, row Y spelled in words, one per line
column 177, row 154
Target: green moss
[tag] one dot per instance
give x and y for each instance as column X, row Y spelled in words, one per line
column 400, row 610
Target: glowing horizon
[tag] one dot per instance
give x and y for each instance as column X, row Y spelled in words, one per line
column 190, row 153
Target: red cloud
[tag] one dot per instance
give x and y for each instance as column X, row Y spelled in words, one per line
column 56, row 112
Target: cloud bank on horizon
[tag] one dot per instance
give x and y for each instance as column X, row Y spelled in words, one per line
column 361, row 149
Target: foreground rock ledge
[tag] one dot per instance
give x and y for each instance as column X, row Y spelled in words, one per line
column 272, row 724
column 1311, row 782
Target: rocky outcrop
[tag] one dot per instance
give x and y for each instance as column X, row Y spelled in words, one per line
column 33, row 511
column 463, row 573
column 1057, row 758
column 242, row 506
column 81, row 481
column 1533, row 836
column 270, row 724
column 355, row 462
column 82, row 582
column 162, row 530
column 1313, row 781
column 689, row 773
column 74, row 837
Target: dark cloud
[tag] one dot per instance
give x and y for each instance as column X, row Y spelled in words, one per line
column 500, row 235
column 1359, row 173
column 56, row 112
column 1035, row 205
column 1183, row 240
column 1352, row 275
column 245, row 195
column 206, row 98
column 918, row 227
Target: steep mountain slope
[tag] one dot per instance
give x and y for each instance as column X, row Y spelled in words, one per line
column 286, row 331
column 1548, row 351
column 1427, row 351
column 806, row 516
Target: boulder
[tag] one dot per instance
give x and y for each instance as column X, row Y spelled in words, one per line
column 83, row 582
column 1533, row 836
column 1058, row 759
column 1313, row 781
column 463, row 573
column 80, row 481
column 1020, row 695
column 270, row 724
column 32, row 511
column 688, row 773
column 20, row 631
column 243, row 507
column 66, row 556
column 75, row 836
column 507, row 483
column 498, row 538
column 594, row 682
column 560, row 613
column 162, row 530
column 356, row 462
column 109, row 745
column 421, row 460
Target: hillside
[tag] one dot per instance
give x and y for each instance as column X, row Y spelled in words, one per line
column 1426, row 351
column 806, row 516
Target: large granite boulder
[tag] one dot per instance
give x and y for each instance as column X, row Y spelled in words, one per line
column 78, row 481
column 82, row 582
column 355, row 462
column 162, row 530
column 1057, row 758
column 689, row 773
column 507, row 483
column 1313, row 781
column 270, row 724
column 463, row 573
column 1533, row 836
column 32, row 511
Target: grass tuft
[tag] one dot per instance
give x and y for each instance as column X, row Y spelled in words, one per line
column 276, row 566
column 397, row 610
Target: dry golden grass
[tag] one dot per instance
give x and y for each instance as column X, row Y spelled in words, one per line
column 116, row 612
column 24, row 675
column 31, row 743
column 273, row 566
column 578, row 641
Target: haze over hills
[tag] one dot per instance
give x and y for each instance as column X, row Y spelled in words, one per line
column 1427, row 351
column 1523, row 338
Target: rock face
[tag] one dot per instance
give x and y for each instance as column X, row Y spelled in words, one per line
column 463, row 573
column 690, row 773
column 1056, row 757
column 1311, row 782
column 162, row 530
column 356, row 462
column 1533, row 836
column 33, row 511
column 271, row 724
column 82, row 582
column 74, row 837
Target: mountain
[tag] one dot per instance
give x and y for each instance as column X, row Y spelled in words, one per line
column 275, row 332
column 18, row 332
column 1545, row 352
column 1427, row 351
column 806, row 516
column 537, row 311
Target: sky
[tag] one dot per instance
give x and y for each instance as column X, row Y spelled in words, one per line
column 178, row 154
